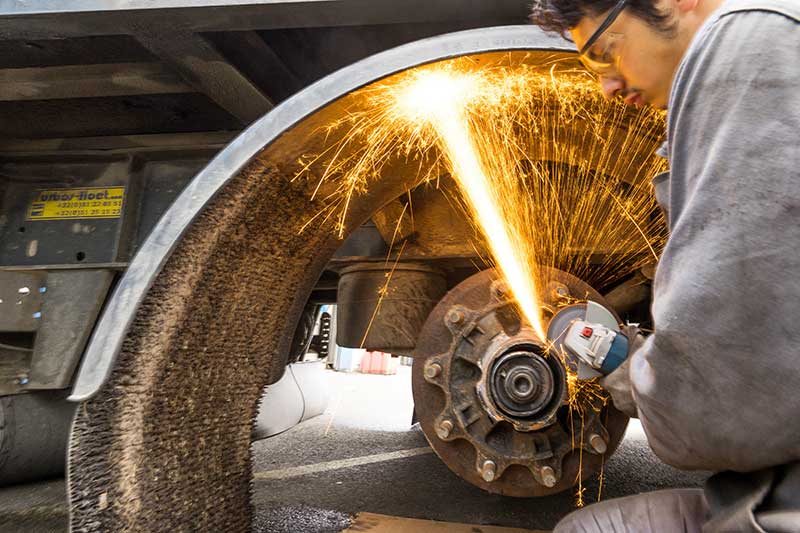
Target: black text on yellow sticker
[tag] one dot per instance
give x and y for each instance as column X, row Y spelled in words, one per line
column 64, row 204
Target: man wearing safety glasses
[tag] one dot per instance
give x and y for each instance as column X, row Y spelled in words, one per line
column 717, row 385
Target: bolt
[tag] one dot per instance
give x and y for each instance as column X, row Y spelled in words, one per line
column 455, row 316
column 444, row 429
column 548, row 477
column 500, row 290
column 598, row 444
column 561, row 292
column 488, row 471
column 432, row 370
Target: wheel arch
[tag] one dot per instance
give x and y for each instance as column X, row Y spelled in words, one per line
column 115, row 322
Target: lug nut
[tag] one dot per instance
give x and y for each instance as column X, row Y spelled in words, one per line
column 444, row 429
column 598, row 444
column 548, row 477
column 432, row 370
column 488, row 471
column 455, row 316
column 561, row 292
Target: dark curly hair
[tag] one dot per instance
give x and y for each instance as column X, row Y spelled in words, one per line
column 562, row 15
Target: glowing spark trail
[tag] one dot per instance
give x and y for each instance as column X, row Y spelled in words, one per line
column 442, row 99
column 549, row 173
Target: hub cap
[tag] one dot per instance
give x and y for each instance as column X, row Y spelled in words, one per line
column 521, row 383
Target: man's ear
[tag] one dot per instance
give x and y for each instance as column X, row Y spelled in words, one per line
column 684, row 6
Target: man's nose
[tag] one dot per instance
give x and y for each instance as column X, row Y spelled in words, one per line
column 612, row 86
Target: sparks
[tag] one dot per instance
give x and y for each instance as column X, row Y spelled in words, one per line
column 549, row 172
column 443, row 99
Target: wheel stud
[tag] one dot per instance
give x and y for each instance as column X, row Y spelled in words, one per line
column 432, row 370
column 444, row 429
column 488, row 471
column 455, row 316
column 598, row 444
column 548, row 477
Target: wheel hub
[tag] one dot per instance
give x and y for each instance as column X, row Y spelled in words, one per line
column 521, row 383
column 493, row 401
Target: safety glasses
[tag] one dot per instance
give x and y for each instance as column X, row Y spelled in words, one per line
column 603, row 57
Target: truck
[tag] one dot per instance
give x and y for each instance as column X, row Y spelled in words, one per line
column 158, row 266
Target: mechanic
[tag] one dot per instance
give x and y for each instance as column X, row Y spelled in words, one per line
column 717, row 386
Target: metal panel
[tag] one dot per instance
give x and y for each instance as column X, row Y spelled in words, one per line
column 39, row 53
column 163, row 181
column 153, row 179
column 20, row 300
column 116, row 319
column 42, row 19
column 60, row 304
column 105, row 116
column 61, row 308
column 73, row 301
column 258, row 61
column 79, row 81
column 212, row 140
column 58, row 242
column 205, row 69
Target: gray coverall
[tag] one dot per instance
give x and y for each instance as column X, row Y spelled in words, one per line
column 717, row 386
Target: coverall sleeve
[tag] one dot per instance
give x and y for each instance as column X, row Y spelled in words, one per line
column 717, row 385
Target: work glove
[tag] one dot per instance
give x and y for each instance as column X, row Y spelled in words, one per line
column 618, row 382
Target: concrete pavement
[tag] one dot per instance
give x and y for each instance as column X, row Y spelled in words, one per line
column 362, row 456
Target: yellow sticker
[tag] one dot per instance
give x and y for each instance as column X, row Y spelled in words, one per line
column 90, row 202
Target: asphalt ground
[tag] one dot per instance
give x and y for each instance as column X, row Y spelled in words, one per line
column 363, row 456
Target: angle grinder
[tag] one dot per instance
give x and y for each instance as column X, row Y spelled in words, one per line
column 590, row 334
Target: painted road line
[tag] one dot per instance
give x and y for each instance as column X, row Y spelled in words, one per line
column 304, row 470
column 376, row 523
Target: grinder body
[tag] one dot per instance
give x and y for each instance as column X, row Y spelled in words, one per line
column 591, row 335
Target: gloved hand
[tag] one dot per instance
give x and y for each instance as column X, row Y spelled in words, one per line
column 618, row 382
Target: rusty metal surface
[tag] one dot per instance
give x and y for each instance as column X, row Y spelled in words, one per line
column 512, row 455
column 384, row 306
column 437, row 227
